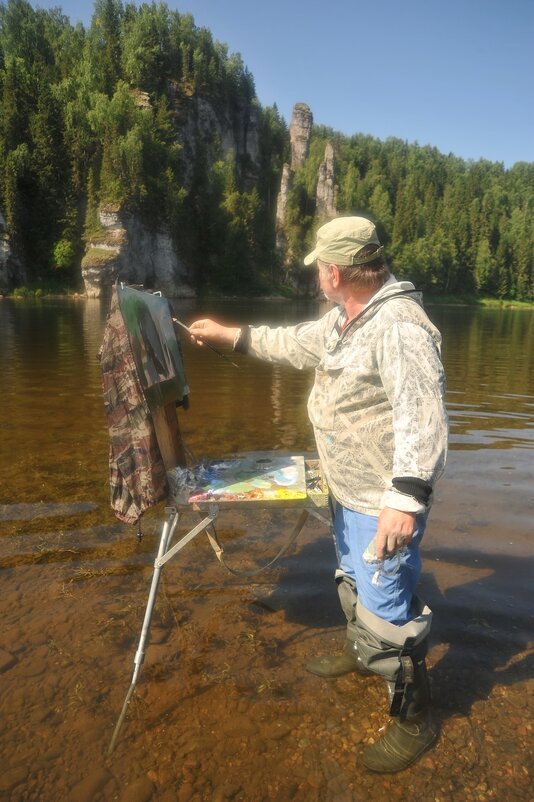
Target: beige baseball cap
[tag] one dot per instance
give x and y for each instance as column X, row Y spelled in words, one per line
column 339, row 241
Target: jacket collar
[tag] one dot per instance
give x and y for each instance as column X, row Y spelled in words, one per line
column 390, row 289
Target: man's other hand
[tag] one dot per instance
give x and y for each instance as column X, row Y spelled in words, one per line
column 395, row 530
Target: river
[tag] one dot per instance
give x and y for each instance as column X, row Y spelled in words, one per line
column 224, row 709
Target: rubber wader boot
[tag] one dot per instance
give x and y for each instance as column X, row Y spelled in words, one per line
column 349, row 660
column 336, row 665
column 411, row 734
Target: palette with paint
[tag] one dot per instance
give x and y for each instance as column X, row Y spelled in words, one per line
column 252, row 478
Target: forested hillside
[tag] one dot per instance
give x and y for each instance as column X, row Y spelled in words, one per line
column 455, row 227
column 102, row 119
column 89, row 119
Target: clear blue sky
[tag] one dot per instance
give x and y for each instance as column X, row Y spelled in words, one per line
column 455, row 74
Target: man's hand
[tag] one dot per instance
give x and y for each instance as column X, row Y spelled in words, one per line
column 395, row 530
column 208, row 329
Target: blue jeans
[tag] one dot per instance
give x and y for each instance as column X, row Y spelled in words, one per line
column 391, row 598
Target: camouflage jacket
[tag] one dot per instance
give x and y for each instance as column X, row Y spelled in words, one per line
column 137, row 474
column 377, row 403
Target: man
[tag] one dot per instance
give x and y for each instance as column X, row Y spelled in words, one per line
column 377, row 408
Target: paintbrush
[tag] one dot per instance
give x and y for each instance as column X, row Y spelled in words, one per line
column 205, row 342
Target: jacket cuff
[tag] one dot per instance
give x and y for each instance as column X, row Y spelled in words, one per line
column 413, row 486
column 242, row 340
column 400, row 501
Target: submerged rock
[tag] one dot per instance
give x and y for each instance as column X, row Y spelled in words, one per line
column 7, row 660
column 141, row 790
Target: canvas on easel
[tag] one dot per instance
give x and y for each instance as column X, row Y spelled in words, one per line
column 159, row 363
column 156, row 351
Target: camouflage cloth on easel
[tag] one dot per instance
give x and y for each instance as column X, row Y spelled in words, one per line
column 137, row 474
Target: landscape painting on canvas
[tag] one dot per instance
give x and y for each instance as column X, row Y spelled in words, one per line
column 155, row 348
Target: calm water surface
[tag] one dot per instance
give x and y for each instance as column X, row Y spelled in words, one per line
column 224, row 709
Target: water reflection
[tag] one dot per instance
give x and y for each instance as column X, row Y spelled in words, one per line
column 489, row 360
column 48, row 352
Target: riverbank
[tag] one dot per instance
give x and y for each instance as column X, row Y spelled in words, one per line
column 471, row 300
column 285, row 294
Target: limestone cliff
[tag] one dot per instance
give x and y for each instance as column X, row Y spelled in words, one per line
column 322, row 206
column 8, row 262
column 325, row 194
column 126, row 248
column 281, row 204
column 220, row 129
column 300, row 134
column 128, row 251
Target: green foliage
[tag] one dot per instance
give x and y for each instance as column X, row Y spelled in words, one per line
column 64, row 255
column 40, row 289
column 454, row 227
column 89, row 119
column 146, row 47
column 92, row 119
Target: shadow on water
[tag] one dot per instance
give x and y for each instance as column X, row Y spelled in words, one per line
column 481, row 629
column 487, row 634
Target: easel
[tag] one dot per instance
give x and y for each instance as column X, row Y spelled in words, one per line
column 158, row 364
column 173, row 452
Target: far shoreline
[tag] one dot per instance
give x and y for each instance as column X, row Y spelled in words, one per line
column 40, row 292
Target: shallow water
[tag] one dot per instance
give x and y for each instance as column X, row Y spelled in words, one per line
column 224, row 708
